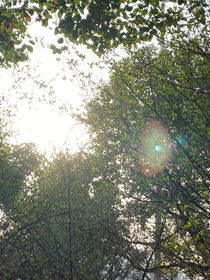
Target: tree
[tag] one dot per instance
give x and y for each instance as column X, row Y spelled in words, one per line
column 61, row 229
column 17, row 162
column 100, row 25
column 150, row 125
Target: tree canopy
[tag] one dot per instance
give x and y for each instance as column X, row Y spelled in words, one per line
column 136, row 201
column 100, row 25
column 63, row 225
column 151, row 122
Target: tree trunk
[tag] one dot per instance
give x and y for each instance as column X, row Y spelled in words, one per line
column 157, row 273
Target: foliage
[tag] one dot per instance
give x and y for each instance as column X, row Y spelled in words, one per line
column 60, row 229
column 13, row 26
column 17, row 163
column 170, row 86
column 105, row 213
column 60, row 217
column 100, row 25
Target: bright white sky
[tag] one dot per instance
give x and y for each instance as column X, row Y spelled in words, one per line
column 40, row 122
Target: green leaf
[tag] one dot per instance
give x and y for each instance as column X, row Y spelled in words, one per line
column 29, row 48
column 32, row 42
column 60, row 40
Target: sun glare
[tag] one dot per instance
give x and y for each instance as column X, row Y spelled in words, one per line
column 48, row 129
column 28, row 89
column 38, row 90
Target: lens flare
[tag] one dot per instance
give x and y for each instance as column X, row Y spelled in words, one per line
column 154, row 148
column 182, row 139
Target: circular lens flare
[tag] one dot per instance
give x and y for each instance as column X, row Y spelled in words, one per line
column 182, row 139
column 158, row 148
column 154, row 148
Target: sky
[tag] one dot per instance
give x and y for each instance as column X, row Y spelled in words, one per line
column 37, row 90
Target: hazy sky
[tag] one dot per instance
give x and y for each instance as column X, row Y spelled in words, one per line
column 45, row 73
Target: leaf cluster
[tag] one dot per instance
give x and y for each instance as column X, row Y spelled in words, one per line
column 100, row 25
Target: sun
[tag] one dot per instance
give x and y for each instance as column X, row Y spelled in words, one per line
column 38, row 121
column 49, row 130
column 37, row 98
